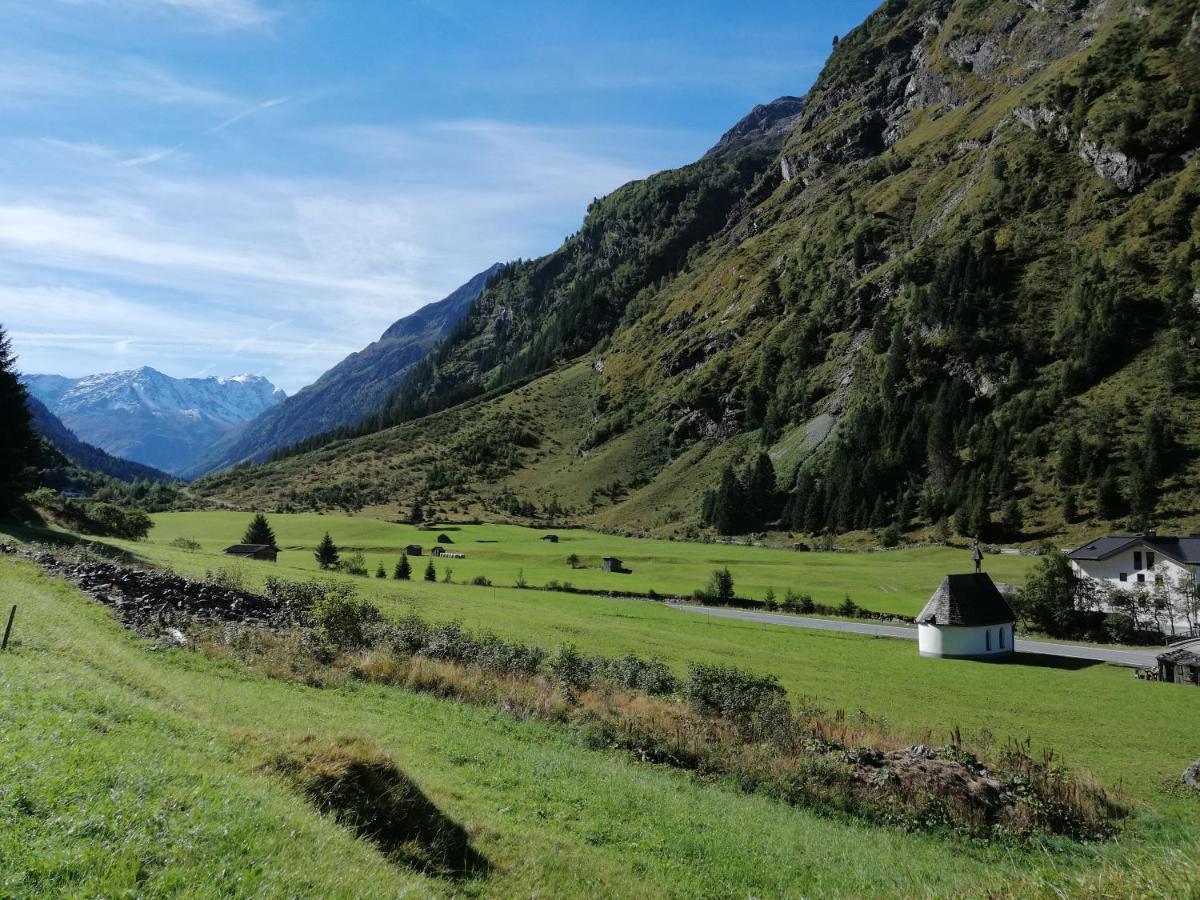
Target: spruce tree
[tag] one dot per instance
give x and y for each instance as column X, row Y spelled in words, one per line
column 761, row 492
column 1070, row 454
column 403, row 570
column 20, row 448
column 430, row 572
column 259, row 531
column 729, row 508
column 1108, row 496
column 380, row 571
column 326, row 553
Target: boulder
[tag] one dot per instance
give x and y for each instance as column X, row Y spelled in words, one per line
column 1191, row 776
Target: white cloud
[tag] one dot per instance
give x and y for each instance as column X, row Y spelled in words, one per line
column 34, row 77
column 218, row 15
column 196, row 266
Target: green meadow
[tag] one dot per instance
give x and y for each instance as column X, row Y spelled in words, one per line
column 149, row 764
column 895, row 581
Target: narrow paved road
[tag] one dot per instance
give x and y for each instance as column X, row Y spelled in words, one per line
column 1144, row 659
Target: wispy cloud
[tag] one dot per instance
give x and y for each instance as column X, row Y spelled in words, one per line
column 37, row 77
column 298, row 271
column 219, row 15
column 249, row 111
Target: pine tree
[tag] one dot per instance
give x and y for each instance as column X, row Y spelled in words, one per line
column 1011, row 518
column 1108, row 496
column 720, row 586
column 380, row 571
column 403, row 570
column 259, row 531
column 430, row 571
column 20, row 448
column 416, row 515
column 1070, row 505
column 326, row 553
column 729, row 507
column 761, row 492
column 1070, row 454
column 1146, row 466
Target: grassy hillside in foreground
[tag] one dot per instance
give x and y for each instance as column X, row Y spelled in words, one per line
column 898, row 581
column 149, row 777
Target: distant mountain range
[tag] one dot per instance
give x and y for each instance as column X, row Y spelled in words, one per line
column 151, row 418
column 83, row 454
column 350, row 391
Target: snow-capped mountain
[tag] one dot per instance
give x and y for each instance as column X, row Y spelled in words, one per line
column 150, row 417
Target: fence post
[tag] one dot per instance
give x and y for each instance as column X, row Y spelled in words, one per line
column 8, row 628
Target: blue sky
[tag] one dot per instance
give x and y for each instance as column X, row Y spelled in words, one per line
column 223, row 186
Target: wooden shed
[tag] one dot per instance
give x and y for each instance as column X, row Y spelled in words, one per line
column 413, row 550
column 1180, row 663
column 253, row 551
column 552, row 538
column 612, row 564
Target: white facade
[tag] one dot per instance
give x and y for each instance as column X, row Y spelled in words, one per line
column 1137, row 564
column 965, row 642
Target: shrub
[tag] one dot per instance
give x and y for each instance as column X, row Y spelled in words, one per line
column 636, row 674
column 481, row 581
column 728, row 691
column 848, row 608
column 182, row 543
column 355, row 565
column 570, row 668
column 342, row 618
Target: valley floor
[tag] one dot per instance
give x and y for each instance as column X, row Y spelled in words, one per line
column 129, row 769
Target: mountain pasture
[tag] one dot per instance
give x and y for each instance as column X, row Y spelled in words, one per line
column 895, row 581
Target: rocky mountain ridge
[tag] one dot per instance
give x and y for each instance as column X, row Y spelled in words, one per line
column 351, row 390
column 152, row 418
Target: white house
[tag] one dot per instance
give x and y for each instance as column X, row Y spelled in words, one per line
column 966, row 618
column 1125, row 561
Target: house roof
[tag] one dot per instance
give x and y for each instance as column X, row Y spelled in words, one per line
column 1183, row 549
column 1183, row 651
column 238, row 549
column 971, row 599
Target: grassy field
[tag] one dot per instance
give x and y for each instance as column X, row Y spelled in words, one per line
column 898, row 581
column 128, row 771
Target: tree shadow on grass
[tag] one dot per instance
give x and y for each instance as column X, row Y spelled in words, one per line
column 40, row 534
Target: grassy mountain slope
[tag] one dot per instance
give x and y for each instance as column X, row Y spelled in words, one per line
column 82, row 455
column 350, row 391
column 957, row 291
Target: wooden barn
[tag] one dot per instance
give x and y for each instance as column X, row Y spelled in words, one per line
column 253, row 551
column 1180, row 663
column 612, row 564
column 551, row 538
column 413, row 550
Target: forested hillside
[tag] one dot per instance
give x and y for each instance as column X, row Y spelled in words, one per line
column 955, row 288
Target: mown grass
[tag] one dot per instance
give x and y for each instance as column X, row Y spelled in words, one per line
column 126, row 770
column 896, row 581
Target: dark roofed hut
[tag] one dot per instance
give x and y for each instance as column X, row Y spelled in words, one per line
column 1180, row 663
column 413, row 550
column 612, row 564
column 966, row 618
column 253, row 551
column 552, row 538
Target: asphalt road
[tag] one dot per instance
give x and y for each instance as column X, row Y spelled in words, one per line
column 1144, row 659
